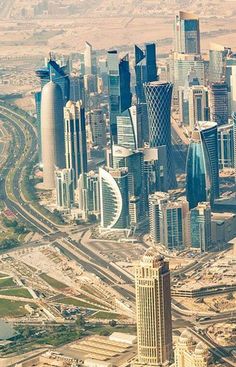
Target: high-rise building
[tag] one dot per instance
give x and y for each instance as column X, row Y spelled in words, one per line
column 158, row 97
column 77, row 89
column 190, row 354
column 218, row 102
column 217, row 63
column 153, row 310
column 169, row 221
column 98, row 127
column 198, row 105
column 90, row 61
column 155, row 169
column 119, row 88
column 129, row 128
column 145, row 68
column 210, row 140
column 198, row 172
column 52, row 133
column 88, row 194
column 64, row 188
column 133, row 160
column 226, row 145
column 114, row 198
column 75, row 138
column 187, row 33
column 37, row 97
column 200, row 221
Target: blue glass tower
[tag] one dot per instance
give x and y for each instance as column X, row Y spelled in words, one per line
column 158, row 97
column 198, row 172
column 119, row 88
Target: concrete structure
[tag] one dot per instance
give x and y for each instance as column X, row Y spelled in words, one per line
column 90, row 62
column 158, row 97
column 123, row 338
column 98, row 128
column 88, row 194
column 226, row 145
column 75, row 138
column 190, row 354
column 201, row 227
column 153, row 309
column 217, row 62
column 218, row 102
column 114, row 198
column 169, row 221
column 65, row 188
column 187, row 33
column 52, row 133
column 198, row 105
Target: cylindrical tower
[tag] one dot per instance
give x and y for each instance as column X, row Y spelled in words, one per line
column 52, row 133
column 158, row 97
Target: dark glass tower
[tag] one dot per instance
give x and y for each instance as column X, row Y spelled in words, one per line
column 158, row 97
column 198, row 172
column 145, row 69
column 119, row 88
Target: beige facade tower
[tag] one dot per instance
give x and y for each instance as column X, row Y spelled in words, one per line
column 153, row 307
column 52, row 133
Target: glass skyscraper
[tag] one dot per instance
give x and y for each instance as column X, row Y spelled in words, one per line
column 200, row 219
column 198, row 172
column 217, row 63
column 187, row 33
column 119, row 88
column 129, row 128
column 158, row 97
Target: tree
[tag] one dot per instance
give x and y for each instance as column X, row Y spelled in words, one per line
column 112, row 323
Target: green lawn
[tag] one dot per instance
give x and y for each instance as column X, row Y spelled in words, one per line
column 53, row 282
column 76, row 302
column 7, row 282
column 107, row 315
column 18, row 292
column 13, row 308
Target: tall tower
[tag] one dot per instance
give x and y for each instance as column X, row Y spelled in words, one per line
column 52, row 133
column 201, row 227
column 90, row 63
column 217, row 62
column 75, row 138
column 118, row 87
column 187, row 33
column 158, row 97
column 218, row 101
column 198, row 172
column 153, row 308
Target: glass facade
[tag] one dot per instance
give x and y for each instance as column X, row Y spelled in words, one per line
column 200, row 219
column 187, row 33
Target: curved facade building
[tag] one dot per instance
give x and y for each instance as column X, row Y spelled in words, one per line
column 158, row 97
column 114, row 199
column 52, row 133
column 198, row 172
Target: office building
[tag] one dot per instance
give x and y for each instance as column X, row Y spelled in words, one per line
column 37, row 98
column 198, row 172
column 133, row 161
column 198, row 105
column 118, row 88
column 75, row 138
column 90, row 60
column 114, row 198
column 226, row 144
column 64, row 188
column 200, row 222
column 153, row 310
column 218, row 102
column 88, row 193
column 169, row 221
column 190, row 354
column 158, row 97
column 129, row 128
column 155, row 169
column 145, row 68
column 52, row 133
column 217, row 63
column 98, row 128
column 210, row 140
column 187, row 33
column 77, row 88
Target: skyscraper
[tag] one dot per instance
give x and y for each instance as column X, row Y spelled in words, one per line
column 217, row 63
column 88, row 194
column 200, row 219
column 155, row 169
column 119, row 88
column 98, row 128
column 129, row 128
column 158, row 97
column 218, row 102
column 65, row 188
column 153, row 310
column 37, row 97
column 114, row 199
column 187, row 33
column 52, row 133
column 198, row 172
column 226, row 145
column 209, row 138
column 169, row 221
column 75, row 138
column 90, row 62
column 145, row 68
column 198, row 105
